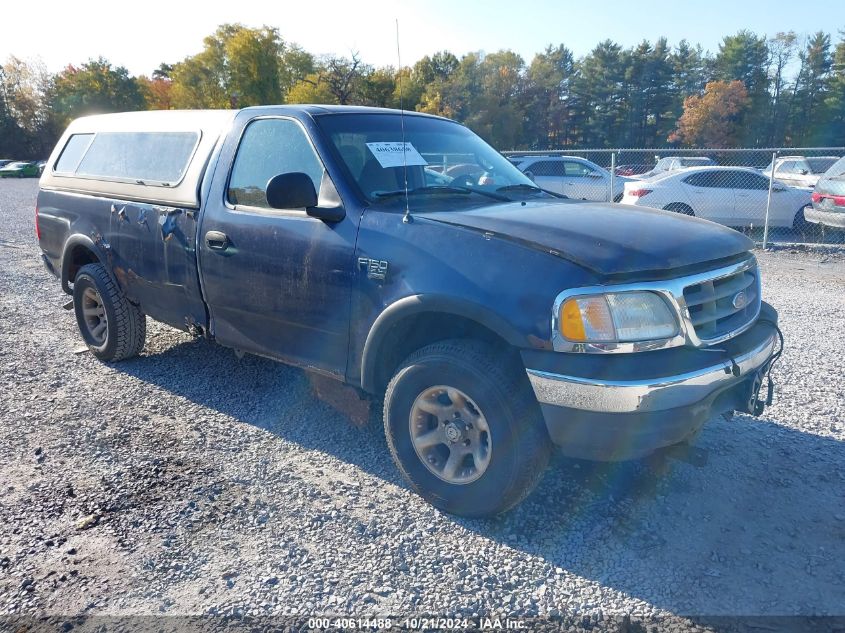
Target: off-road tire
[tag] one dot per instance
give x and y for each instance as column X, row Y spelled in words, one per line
column 127, row 325
column 520, row 446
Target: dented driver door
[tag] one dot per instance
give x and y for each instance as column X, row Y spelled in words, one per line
column 277, row 281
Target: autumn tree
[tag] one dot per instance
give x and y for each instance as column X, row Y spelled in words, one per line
column 25, row 125
column 94, row 87
column 712, row 119
column 157, row 92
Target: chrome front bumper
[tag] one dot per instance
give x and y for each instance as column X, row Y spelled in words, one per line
column 648, row 396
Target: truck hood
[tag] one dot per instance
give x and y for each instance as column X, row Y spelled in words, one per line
column 610, row 239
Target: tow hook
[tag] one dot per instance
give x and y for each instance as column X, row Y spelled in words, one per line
column 754, row 405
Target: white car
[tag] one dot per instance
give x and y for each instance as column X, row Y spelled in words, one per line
column 673, row 163
column 576, row 178
column 800, row 171
column 734, row 196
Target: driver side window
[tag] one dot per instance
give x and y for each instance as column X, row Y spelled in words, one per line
column 270, row 147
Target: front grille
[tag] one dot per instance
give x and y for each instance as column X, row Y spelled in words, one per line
column 711, row 303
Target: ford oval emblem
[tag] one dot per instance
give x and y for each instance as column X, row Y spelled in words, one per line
column 740, row 300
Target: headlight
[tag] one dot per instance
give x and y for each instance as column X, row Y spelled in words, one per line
column 618, row 317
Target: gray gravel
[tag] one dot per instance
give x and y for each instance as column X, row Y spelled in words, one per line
column 187, row 481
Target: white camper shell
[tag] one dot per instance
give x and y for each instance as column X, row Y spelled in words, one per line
column 157, row 156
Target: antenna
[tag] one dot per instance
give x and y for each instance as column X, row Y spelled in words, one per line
column 407, row 219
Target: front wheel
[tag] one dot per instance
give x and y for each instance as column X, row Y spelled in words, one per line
column 464, row 431
column 112, row 327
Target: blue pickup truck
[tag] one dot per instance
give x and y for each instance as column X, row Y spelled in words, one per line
column 400, row 254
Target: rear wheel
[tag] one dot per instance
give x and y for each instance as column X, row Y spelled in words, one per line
column 464, row 431
column 679, row 207
column 111, row 326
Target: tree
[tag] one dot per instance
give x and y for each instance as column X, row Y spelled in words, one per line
column 238, row 66
column 647, row 86
column 547, row 94
column 494, row 109
column 310, row 89
column 342, row 77
column 434, row 77
column 745, row 57
column 599, row 96
column 378, row 88
column 27, row 128
column 834, row 114
column 157, row 92
column 810, row 89
column 782, row 49
column 294, row 65
column 712, row 120
column 337, row 80
column 94, row 87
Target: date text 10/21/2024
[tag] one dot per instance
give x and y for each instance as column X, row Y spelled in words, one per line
column 417, row 623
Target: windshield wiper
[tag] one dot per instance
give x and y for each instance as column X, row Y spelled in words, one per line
column 520, row 186
column 442, row 189
column 533, row 188
column 422, row 190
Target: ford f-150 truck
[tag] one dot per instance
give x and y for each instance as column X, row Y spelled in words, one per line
column 402, row 255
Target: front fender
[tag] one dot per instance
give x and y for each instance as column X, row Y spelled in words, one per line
column 421, row 303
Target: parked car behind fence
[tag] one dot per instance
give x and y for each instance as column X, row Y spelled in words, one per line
column 734, row 196
column 672, row 163
column 813, row 228
column 800, row 171
column 828, row 210
column 571, row 176
column 19, row 169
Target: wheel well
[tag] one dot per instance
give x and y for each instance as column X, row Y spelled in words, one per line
column 79, row 257
column 679, row 207
column 421, row 329
column 799, row 221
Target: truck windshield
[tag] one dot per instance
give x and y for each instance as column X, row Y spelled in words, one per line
column 441, row 158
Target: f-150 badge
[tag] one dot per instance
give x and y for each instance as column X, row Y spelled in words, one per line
column 376, row 268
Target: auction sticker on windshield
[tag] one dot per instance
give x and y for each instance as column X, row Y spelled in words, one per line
column 390, row 154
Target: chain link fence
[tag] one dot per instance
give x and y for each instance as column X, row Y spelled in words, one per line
column 801, row 200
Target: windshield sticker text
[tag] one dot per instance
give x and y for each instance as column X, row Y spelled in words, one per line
column 396, row 154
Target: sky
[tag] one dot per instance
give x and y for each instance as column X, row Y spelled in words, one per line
column 142, row 35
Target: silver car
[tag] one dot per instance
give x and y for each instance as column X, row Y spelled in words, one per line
column 574, row 177
column 800, row 171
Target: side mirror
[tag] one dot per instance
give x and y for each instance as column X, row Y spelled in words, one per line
column 803, row 172
column 294, row 190
column 530, row 175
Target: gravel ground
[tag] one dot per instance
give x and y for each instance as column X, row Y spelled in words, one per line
column 189, row 482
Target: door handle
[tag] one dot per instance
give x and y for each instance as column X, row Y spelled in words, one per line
column 217, row 241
